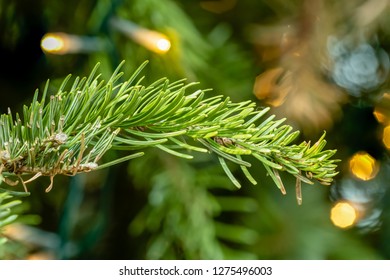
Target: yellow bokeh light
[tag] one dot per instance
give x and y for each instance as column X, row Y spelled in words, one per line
column 163, row 44
column 152, row 40
column 363, row 166
column 386, row 137
column 343, row 215
column 53, row 43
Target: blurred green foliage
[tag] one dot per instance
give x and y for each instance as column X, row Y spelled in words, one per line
column 162, row 207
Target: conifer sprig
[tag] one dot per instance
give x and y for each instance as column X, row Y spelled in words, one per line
column 70, row 131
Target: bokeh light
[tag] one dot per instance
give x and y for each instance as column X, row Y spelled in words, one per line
column 163, row 44
column 152, row 40
column 358, row 68
column 363, row 166
column 60, row 43
column 381, row 118
column 343, row 214
column 53, row 43
column 386, row 136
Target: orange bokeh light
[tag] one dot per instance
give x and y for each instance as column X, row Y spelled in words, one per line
column 386, row 136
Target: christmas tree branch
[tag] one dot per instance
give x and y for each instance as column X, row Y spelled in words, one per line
column 70, row 131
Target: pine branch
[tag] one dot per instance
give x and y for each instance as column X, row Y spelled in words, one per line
column 70, row 131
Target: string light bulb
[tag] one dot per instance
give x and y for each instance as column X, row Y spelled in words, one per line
column 150, row 39
column 343, row 214
column 163, row 44
column 63, row 43
column 363, row 166
column 53, row 43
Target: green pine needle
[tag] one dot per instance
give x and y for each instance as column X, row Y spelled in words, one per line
column 7, row 203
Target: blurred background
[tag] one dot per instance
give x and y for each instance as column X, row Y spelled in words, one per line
column 323, row 65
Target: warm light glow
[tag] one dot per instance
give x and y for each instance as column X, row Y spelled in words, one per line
column 272, row 85
column 343, row 215
column 386, row 137
column 379, row 116
column 163, row 45
column 64, row 43
column 152, row 40
column 53, row 43
column 363, row 166
column 381, row 110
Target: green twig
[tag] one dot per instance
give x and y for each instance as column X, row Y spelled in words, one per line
column 70, row 131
